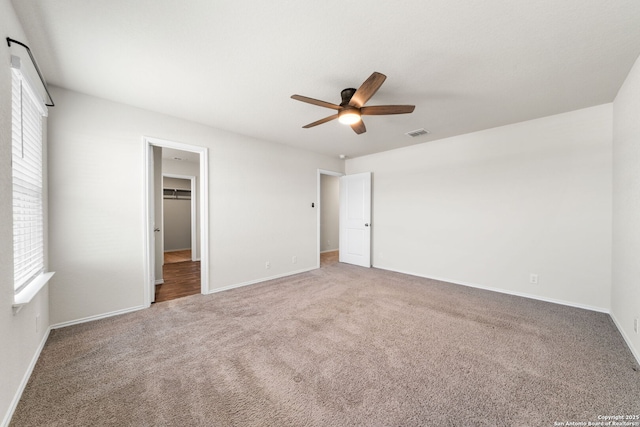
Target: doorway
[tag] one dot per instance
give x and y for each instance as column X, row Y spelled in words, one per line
column 354, row 219
column 176, row 161
column 328, row 217
column 180, row 208
column 180, row 263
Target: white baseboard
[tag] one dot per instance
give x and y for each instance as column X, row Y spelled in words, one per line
column 25, row 380
column 253, row 282
column 97, row 317
column 329, row 250
column 504, row 291
column 159, row 282
column 626, row 338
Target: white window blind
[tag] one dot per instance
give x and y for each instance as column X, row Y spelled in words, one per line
column 28, row 211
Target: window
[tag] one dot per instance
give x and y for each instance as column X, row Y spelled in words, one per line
column 27, row 111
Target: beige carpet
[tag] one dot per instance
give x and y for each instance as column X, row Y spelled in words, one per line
column 339, row 346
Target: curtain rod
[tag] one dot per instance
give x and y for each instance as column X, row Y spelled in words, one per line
column 33, row 61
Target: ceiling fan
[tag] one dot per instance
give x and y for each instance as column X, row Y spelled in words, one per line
column 352, row 106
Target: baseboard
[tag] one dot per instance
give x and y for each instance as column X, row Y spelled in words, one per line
column 159, row 282
column 97, row 317
column 504, row 291
column 178, row 250
column 626, row 338
column 266, row 279
column 25, row 380
column 329, row 250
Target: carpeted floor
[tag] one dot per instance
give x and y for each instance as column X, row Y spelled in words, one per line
column 338, row 346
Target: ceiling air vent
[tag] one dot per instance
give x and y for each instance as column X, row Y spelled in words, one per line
column 417, row 132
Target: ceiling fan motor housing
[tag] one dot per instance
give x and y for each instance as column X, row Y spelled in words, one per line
column 346, row 95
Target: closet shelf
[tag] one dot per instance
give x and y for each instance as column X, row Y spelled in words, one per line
column 176, row 194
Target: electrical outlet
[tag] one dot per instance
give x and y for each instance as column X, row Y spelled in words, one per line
column 635, row 325
column 294, row 259
column 533, row 279
column 267, row 265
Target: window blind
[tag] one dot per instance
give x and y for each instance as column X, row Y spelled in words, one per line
column 27, row 167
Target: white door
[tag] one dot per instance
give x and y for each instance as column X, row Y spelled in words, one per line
column 151, row 223
column 355, row 219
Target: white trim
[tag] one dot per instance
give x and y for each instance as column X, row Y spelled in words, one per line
column 148, row 143
column 318, row 190
column 265, row 279
column 31, row 290
column 194, row 225
column 97, row 317
column 25, row 379
column 16, row 65
column 329, row 250
column 503, row 291
column 147, row 240
column 626, row 338
column 159, row 282
column 204, row 220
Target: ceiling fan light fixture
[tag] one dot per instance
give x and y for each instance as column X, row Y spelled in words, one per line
column 349, row 116
column 352, row 105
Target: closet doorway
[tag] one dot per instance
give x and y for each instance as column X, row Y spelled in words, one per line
column 181, row 264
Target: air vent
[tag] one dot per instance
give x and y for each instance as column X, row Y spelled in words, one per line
column 417, row 132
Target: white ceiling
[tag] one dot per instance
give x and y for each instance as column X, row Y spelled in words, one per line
column 180, row 155
column 233, row 65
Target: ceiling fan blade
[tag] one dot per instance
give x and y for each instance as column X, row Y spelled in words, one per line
column 367, row 89
column 321, row 121
column 380, row 110
column 359, row 127
column 315, row 102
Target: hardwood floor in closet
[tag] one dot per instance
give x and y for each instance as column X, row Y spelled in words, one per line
column 177, row 256
column 328, row 258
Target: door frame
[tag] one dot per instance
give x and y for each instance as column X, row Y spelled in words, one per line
column 318, row 198
column 148, row 240
column 194, row 197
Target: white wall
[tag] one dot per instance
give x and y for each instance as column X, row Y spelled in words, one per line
column 625, row 302
column 19, row 341
column 491, row 207
column 260, row 196
column 329, row 213
column 179, row 183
